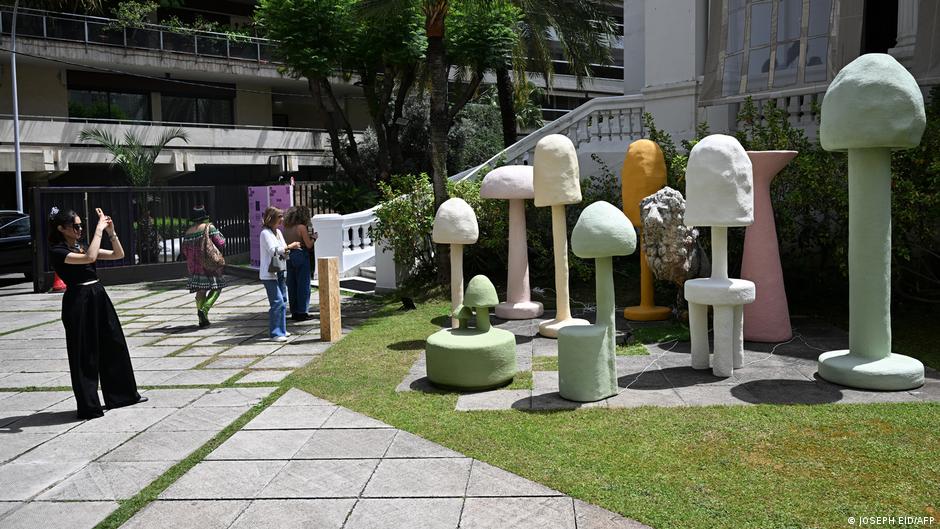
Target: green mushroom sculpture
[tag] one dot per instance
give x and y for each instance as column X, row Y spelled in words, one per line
column 472, row 359
column 587, row 362
column 872, row 106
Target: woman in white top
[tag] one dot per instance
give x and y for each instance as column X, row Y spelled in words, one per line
column 273, row 246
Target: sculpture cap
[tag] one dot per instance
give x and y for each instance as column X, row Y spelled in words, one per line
column 508, row 182
column 556, row 176
column 480, row 293
column 602, row 230
column 644, row 173
column 719, row 182
column 873, row 102
column 455, row 223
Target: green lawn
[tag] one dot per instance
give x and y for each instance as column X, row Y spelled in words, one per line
column 746, row 466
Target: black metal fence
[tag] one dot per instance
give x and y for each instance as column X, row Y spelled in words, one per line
column 309, row 194
column 151, row 221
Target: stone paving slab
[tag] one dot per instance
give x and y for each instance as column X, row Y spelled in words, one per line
column 267, row 375
column 361, row 478
column 59, row 515
column 107, row 481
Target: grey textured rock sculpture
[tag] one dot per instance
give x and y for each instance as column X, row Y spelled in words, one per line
column 672, row 248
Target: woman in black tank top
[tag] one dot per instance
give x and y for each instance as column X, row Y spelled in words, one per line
column 93, row 335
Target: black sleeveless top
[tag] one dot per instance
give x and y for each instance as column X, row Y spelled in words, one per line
column 72, row 274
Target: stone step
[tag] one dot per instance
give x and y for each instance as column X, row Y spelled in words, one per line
column 367, row 272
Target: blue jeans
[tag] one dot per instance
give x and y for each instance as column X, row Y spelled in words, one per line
column 298, row 281
column 277, row 297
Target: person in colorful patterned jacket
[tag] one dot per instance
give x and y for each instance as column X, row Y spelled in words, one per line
column 206, row 284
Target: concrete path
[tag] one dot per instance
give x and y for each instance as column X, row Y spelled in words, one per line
column 303, row 462
column 307, row 463
column 782, row 373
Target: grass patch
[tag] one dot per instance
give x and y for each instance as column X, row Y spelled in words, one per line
column 522, row 380
column 150, row 493
column 759, row 467
column 544, row 363
column 632, row 349
column 661, row 333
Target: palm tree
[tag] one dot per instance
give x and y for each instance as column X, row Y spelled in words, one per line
column 136, row 160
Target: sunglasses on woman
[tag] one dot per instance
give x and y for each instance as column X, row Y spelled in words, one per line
column 77, row 226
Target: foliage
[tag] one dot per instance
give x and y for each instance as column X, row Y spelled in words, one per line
column 475, row 137
column 481, row 37
column 676, row 160
column 344, row 196
column 131, row 154
column 526, row 97
column 132, row 13
column 405, row 219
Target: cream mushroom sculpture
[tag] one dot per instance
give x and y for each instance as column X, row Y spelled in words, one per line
column 455, row 224
column 514, row 183
column 719, row 193
column 587, row 362
column 872, row 106
column 556, row 182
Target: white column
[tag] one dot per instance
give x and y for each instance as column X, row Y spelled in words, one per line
column 329, row 228
column 903, row 51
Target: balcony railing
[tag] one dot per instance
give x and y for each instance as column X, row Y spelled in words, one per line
column 108, row 32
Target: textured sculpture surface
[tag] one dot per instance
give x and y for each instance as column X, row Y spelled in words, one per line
column 719, row 184
column 455, row 224
column 872, row 106
column 472, row 358
column 672, row 248
column 587, row 367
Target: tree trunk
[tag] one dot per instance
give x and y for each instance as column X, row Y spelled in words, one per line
column 332, row 128
column 439, row 125
column 377, row 113
column 507, row 108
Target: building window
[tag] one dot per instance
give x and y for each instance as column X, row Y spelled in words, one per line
column 774, row 44
column 187, row 109
column 102, row 104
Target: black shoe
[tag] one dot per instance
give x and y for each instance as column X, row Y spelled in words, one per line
column 138, row 401
column 203, row 319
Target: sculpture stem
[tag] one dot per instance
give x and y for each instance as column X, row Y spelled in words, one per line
column 560, row 238
column 483, row 318
column 719, row 252
column 604, row 281
column 518, row 278
column 456, row 280
column 870, row 252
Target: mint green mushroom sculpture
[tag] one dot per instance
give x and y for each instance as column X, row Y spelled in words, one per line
column 471, row 359
column 587, row 362
column 872, row 106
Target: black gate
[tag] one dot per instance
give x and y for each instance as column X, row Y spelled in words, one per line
column 151, row 222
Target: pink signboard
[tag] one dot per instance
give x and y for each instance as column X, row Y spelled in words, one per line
column 259, row 199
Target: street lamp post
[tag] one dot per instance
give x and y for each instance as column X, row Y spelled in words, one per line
column 16, row 114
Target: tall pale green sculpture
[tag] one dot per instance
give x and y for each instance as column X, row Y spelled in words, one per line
column 872, row 106
column 468, row 358
column 587, row 361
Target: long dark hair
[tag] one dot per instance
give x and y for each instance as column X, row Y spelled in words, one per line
column 59, row 217
column 296, row 216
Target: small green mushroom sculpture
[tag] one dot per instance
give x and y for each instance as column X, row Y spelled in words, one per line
column 587, row 362
column 472, row 359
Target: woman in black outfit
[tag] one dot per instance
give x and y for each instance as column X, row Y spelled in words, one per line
column 93, row 334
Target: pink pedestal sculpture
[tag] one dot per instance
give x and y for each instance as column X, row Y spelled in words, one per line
column 767, row 319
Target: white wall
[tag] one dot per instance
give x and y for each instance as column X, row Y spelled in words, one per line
column 253, row 108
column 41, row 89
column 634, row 46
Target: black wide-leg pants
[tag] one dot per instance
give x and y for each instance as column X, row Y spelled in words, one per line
column 96, row 349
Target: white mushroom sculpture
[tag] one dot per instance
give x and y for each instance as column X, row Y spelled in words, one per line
column 514, row 183
column 455, row 224
column 556, row 179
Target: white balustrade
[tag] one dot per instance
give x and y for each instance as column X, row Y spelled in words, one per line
column 801, row 104
column 348, row 237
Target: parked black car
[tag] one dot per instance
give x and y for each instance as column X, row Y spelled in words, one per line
column 16, row 252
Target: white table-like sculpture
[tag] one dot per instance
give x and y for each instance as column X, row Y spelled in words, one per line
column 514, row 183
column 455, row 224
column 719, row 193
column 556, row 181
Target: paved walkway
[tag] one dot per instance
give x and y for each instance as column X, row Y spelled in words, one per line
column 772, row 374
column 303, row 462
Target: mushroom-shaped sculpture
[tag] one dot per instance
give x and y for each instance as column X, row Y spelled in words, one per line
column 555, row 179
column 472, row 358
column 514, row 183
column 455, row 224
column 644, row 173
column 719, row 193
column 587, row 367
column 872, row 106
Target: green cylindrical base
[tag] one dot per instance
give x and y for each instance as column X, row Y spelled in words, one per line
column 470, row 359
column 584, row 366
column 893, row 373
